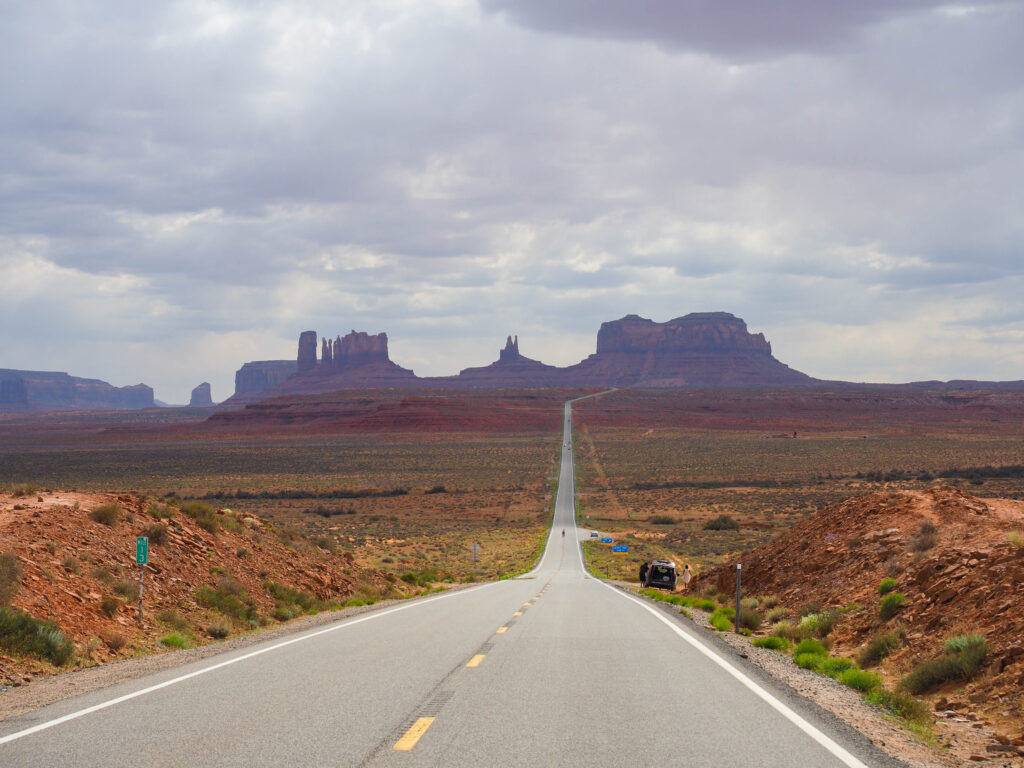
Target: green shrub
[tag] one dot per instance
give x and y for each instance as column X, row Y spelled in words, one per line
column 21, row 633
column 788, row 630
column 860, row 680
column 811, row 661
column 115, row 641
column 128, row 589
column 750, row 602
column 662, row 520
column 283, row 612
column 10, row 577
column 156, row 533
column 106, row 514
column 768, row 602
column 901, row 704
column 878, row 647
column 698, row 602
column 174, row 640
column 811, row 606
column 205, row 517
column 110, row 605
column 774, row 614
column 749, row 619
column 218, row 630
column 925, row 538
column 722, row 523
column 172, row 619
column 962, row 663
column 819, row 624
column 24, row 489
column 719, row 622
column 810, row 645
column 160, row 511
column 239, row 607
column 890, row 605
column 772, row 642
column 1015, row 539
column 836, row 665
column 885, row 586
column 284, row 594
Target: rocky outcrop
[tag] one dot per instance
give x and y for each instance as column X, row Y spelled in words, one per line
column 703, row 349
column 259, row 376
column 307, row 351
column 56, row 391
column 201, row 397
column 512, row 369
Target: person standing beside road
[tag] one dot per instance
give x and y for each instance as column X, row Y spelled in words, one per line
column 687, row 575
column 643, row 573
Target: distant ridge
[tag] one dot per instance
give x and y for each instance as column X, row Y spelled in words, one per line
column 25, row 391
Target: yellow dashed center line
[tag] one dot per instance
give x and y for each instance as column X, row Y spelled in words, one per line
column 518, row 613
column 502, row 629
column 527, row 605
column 414, row 734
column 475, row 661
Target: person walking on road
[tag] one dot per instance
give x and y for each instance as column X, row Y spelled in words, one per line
column 643, row 573
column 687, row 575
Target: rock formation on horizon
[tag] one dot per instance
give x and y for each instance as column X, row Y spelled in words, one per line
column 57, row 391
column 201, row 397
column 260, row 375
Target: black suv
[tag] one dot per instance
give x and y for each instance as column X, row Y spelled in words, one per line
column 661, row 574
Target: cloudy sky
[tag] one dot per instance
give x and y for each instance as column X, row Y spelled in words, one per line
column 187, row 186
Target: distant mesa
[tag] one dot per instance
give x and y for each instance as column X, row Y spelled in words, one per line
column 25, row 391
column 261, row 375
column 201, row 397
column 703, row 349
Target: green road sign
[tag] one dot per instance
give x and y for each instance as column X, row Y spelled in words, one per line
column 141, row 550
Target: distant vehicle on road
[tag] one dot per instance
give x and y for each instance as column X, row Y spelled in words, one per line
column 595, row 535
column 661, row 574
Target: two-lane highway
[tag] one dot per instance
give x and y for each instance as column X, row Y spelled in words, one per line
column 552, row 669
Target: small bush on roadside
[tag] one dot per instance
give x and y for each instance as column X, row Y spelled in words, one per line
column 885, row 586
column 901, row 704
column 788, row 630
column 811, row 661
column 860, row 680
column 750, row 602
column 878, row 647
column 662, row 520
column 722, row 523
column 810, row 645
column 836, row 665
column 750, row 619
column 283, row 594
column 229, row 585
column 218, row 630
column 768, row 602
column 239, row 607
column 128, row 589
column 283, row 612
column 72, row 564
column 10, row 577
column 110, row 605
column 115, row 641
column 721, row 618
column 1016, row 539
column 106, row 514
column 205, row 517
column 20, row 632
column 772, row 642
column 160, row 511
column 890, row 605
column 174, row 640
column 156, row 533
column 819, row 624
column 172, row 619
column 24, row 489
column 774, row 614
column 962, row 661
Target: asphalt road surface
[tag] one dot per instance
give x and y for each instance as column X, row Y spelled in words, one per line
column 554, row 668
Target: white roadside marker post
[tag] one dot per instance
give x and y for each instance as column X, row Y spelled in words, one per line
column 739, row 571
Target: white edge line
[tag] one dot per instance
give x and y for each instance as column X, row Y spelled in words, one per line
column 773, row 702
column 135, row 694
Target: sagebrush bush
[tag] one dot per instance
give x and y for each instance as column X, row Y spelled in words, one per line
column 963, row 663
column 115, row 641
column 811, row 661
column 239, row 607
column 885, row 586
column 1015, row 539
column 21, row 633
column 722, row 523
column 878, row 647
column 749, row 619
column 773, row 642
column 901, row 704
column 789, row 630
column 768, row 602
column 106, row 514
column 218, row 630
column 751, row 603
column 287, row 595
column 662, row 520
column 172, row 619
column 819, row 624
column 156, row 533
column 810, row 645
column 24, row 489
column 205, row 517
column 128, row 589
column 110, row 605
column 926, row 537
column 10, row 577
column 811, row 606
column 890, row 605
column 774, row 614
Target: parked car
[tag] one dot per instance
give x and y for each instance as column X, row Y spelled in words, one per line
column 595, row 535
column 661, row 574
